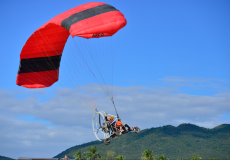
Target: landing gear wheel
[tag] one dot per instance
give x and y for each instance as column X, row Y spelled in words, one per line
column 137, row 130
column 107, row 141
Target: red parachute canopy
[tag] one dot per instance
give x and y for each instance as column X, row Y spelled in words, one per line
column 40, row 57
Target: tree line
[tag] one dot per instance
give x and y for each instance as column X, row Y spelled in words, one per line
column 94, row 154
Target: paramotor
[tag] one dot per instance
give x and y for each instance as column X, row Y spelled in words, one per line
column 105, row 130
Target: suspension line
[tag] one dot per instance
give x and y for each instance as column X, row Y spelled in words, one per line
column 114, row 106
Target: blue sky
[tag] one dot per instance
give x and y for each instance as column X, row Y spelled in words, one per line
column 173, row 58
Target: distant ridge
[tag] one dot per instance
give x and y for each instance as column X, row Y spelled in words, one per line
column 5, row 158
column 185, row 140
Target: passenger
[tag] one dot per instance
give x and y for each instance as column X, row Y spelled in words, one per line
column 111, row 119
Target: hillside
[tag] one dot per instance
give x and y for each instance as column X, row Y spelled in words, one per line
column 185, row 141
column 5, row 158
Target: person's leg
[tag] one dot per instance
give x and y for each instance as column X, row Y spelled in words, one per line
column 118, row 128
column 130, row 129
column 123, row 128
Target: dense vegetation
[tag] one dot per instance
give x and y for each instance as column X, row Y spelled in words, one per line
column 186, row 141
column 93, row 154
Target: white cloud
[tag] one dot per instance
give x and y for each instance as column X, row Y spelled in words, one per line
column 140, row 106
column 191, row 79
column 31, row 139
column 217, row 85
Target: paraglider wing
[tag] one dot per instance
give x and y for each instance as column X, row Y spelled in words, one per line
column 41, row 55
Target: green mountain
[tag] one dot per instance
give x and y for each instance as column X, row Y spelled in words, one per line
column 5, row 158
column 184, row 141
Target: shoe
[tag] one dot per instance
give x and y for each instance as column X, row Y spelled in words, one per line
column 126, row 131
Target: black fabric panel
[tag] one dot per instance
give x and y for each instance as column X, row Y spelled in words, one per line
column 39, row 64
column 66, row 23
